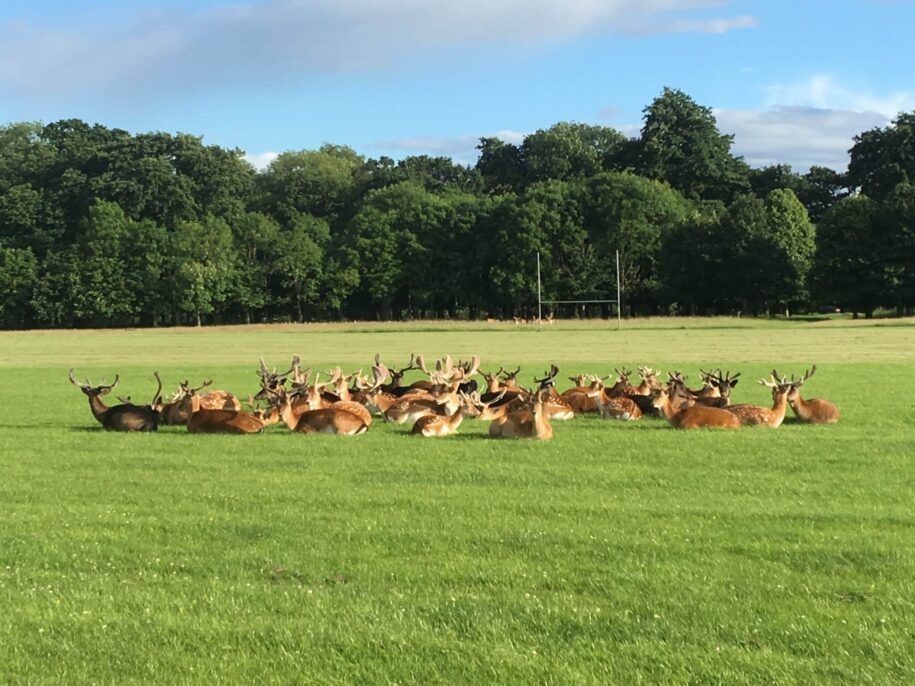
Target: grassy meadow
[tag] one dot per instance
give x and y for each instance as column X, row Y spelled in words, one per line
column 616, row 553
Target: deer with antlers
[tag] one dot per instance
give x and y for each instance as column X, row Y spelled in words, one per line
column 694, row 417
column 757, row 415
column 528, row 421
column 814, row 410
column 124, row 417
column 201, row 420
column 342, row 419
column 619, row 407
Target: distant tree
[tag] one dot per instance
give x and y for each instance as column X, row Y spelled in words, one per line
column 774, row 177
column 300, row 261
column 568, row 150
column 18, row 272
column 316, row 182
column 256, row 238
column 851, row 264
column 680, row 144
column 204, row 262
column 631, row 214
column 822, row 189
column 501, row 165
column 881, row 159
column 792, row 235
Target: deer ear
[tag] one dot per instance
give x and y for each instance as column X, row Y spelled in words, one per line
column 734, row 382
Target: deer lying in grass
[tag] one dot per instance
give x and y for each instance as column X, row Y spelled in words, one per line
column 814, row 410
column 530, row 421
column 756, row 415
column 123, row 417
column 201, row 420
column 695, row 417
column 622, row 408
column 340, row 420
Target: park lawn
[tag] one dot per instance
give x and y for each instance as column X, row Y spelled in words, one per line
column 616, row 553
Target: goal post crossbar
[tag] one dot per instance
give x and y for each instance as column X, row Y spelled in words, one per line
column 541, row 302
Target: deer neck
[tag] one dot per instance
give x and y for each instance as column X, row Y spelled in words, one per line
column 799, row 406
column 541, row 424
column 780, row 406
column 493, row 385
column 99, row 409
column 667, row 409
column 286, row 413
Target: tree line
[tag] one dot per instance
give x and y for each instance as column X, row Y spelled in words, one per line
column 100, row 227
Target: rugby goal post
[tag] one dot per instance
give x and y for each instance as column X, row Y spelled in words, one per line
column 541, row 302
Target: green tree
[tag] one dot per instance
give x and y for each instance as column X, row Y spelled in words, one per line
column 501, row 165
column 680, row 144
column 299, row 261
column 203, row 261
column 631, row 214
column 851, row 266
column 881, row 159
column 257, row 238
column 18, row 272
column 793, row 238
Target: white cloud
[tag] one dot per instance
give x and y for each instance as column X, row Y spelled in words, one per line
column 812, row 121
column 799, row 136
column 261, row 160
column 253, row 42
column 824, row 91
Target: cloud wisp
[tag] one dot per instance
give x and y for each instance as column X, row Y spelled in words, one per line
column 233, row 45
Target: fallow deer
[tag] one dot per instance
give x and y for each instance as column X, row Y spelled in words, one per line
column 756, row 415
column 123, row 417
column 338, row 421
column 695, row 417
column 528, row 422
column 814, row 410
column 621, row 408
column 201, row 420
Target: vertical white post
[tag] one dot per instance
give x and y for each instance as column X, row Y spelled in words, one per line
column 619, row 300
column 539, row 298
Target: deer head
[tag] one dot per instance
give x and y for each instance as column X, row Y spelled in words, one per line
column 89, row 389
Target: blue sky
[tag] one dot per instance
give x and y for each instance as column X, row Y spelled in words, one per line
column 793, row 81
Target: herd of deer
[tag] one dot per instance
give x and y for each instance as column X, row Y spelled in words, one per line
column 437, row 404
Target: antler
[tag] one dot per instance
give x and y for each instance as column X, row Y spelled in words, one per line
column 548, row 379
column 511, row 375
column 77, row 383
column 421, row 364
column 158, row 394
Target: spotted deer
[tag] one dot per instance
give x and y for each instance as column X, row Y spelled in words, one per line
column 203, row 420
column 756, row 415
column 621, row 408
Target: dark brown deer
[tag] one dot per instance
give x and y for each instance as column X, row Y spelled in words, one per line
column 123, row 417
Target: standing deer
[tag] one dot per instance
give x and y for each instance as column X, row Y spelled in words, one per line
column 814, row 410
column 123, row 417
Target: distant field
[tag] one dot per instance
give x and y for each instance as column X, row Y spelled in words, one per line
column 613, row 554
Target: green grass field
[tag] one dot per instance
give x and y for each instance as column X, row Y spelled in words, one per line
column 616, row 553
